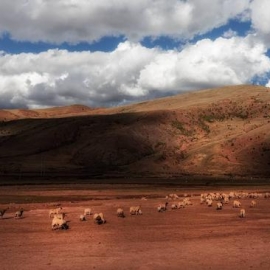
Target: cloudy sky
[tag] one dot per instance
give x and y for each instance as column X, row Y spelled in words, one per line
column 113, row 52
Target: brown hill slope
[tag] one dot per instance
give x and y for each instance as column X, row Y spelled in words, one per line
column 214, row 132
column 55, row 112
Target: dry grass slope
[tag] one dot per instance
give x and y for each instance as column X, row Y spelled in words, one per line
column 211, row 132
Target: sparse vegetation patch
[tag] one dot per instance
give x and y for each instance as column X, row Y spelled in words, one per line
column 180, row 126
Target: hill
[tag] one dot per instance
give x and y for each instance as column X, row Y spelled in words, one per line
column 223, row 131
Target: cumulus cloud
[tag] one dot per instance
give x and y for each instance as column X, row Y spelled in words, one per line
column 129, row 73
column 260, row 15
column 88, row 20
column 207, row 64
column 260, row 19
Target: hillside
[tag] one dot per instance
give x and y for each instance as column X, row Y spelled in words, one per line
column 223, row 131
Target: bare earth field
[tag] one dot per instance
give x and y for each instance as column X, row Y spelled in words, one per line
column 196, row 237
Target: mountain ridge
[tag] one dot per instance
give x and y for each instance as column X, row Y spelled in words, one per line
column 221, row 131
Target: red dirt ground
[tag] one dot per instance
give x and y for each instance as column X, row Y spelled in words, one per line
column 197, row 237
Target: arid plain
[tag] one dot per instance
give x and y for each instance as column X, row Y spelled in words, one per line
column 194, row 237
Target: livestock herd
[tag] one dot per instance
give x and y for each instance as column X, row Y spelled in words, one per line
column 208, row 199
column 59, row 222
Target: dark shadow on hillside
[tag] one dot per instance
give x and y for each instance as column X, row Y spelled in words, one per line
column 84, row 144
column 100, row 146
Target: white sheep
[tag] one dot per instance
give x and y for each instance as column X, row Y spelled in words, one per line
column 219, row 206
column 87, row 211
column 55, row 211
column 236, row 204
column 253, row 204
column 60, row 215
column 19, row 213
column 226, row 199
column 120, row 212
column 187, row 201
column 3, row 211
column 59, row 224
column 181, row 205
column 162, row 207
column 202, row 200
column 82, row 218
column 135, row 210
column 174, row 206
column 99, row 218
column 172, row 196
column 232, row 195
column 242, row 213
column 254, row 195
column 209, row 202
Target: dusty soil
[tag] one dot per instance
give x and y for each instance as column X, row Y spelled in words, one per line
column 197, row 237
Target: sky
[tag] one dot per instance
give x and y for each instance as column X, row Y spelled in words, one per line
column 113, row 52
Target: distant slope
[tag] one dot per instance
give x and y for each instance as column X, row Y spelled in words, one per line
column 222, row 131
column 55, row 112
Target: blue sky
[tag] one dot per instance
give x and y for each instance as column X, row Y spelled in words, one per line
column 113, row 52
column 105, row 44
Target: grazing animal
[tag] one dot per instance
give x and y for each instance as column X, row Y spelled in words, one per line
column 181, row 205
column 219, row 206
column 3, row 211
column 226, row 200
column 236, row 204
column 120, row 212
column 60, row 215
column 19, row 213
column 55, row 211
column 174, row 206
column 99, row 218
column 187, row 201
column 209, row 202
column 253, row 204
column 59, row 224
column 242, row 213
column 162, row 207
column 87, row 211
column 172, row 196
column 202, row 200
column 82, row 218
column 135, row 210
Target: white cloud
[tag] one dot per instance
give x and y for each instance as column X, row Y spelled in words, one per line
column 129, row 73
column 59, row 77
column 89, row 20
column 260, row 15
column 230, row 33
column 206, row 64
column 260, row 19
